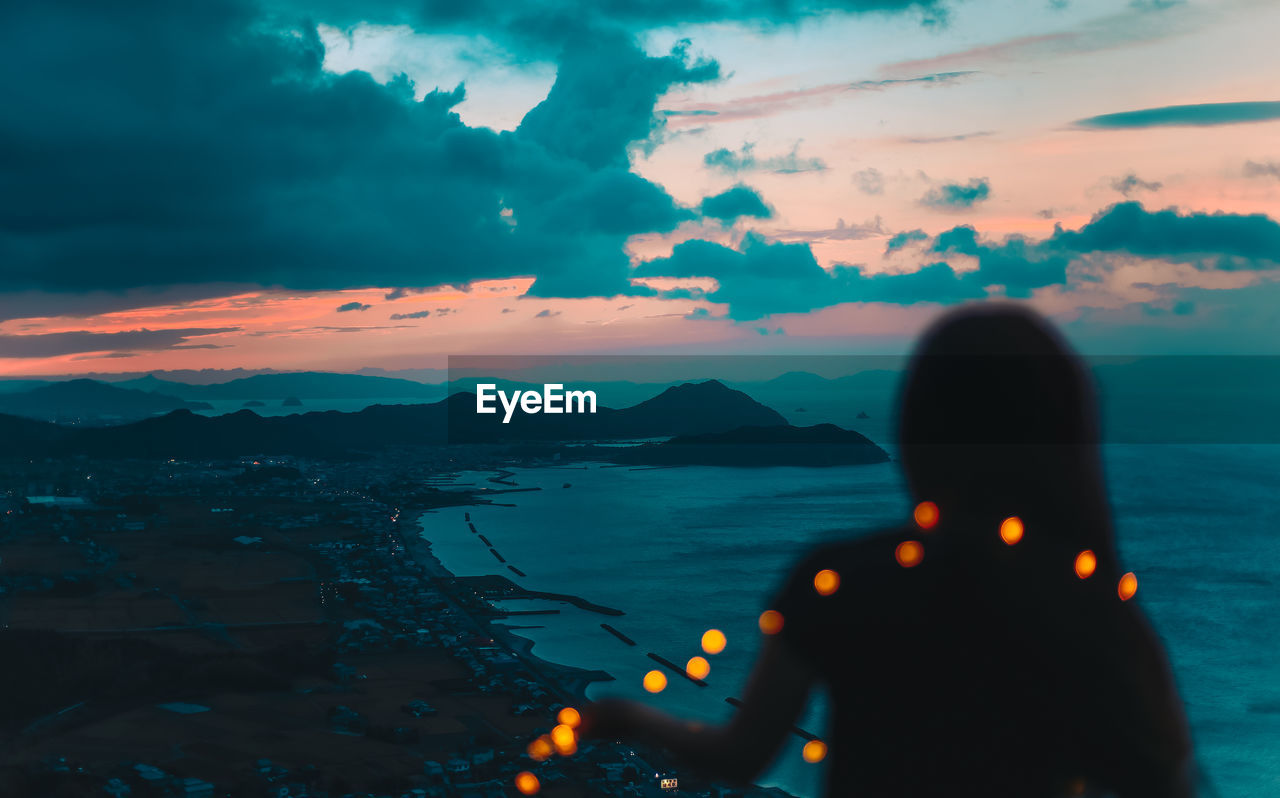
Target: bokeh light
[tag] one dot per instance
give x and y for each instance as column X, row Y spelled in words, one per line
column 562, row 736
column 698, row 667
column 1086, row 563
column 655, row 681
column 527, row 783
column 541, row 749
column 926, row 515
column 814, row 751
column 1011, row 530
column 771, row 622
column 569, row 717
column 1128, row 586
column 826, row 582
column 713, row 641
column 909, row 553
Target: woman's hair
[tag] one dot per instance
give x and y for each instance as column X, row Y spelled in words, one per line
column 998, row 417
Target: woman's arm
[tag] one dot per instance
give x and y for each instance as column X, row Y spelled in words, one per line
column 737, row 751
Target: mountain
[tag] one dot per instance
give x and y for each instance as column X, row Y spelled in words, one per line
column 304, row 384
column 88, row 401
column 819, row 445
column 701, row 407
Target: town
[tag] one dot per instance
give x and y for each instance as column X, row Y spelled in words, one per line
column 275, row 626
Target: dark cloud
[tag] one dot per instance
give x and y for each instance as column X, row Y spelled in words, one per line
column 869, row 181
column 417, row 314
column 745, row 160
column 546, row 313
column 1131, row 183
column 958, row 195
column 735, row 203
column 900, row 240
column 217, row 142
column 1263, row 169
column 66, row 343
column 1209, row 240
column 762, row 278
column 349, row 306
column 1198, row 115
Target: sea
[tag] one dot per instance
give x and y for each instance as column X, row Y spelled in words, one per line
column 684, row 550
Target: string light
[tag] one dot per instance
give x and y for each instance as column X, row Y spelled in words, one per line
column 698, row 667
column 926, row 515
column 771, row 622
column 569, row 717
column 541, row 749
column 527, row 783
column 909, row 553
column 826, row 582
column 814, row 751
column 1086, row 563
column 655, row 681
column 713, row 641
column 1011, row 530
column 1128, row 586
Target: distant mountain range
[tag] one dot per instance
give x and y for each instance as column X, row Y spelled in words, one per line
column 691, row 408
column 78, row 400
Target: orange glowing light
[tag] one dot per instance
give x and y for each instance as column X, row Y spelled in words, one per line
column 909, row 553
column 926, row 515
column 527, row 783
column 1011, row 530
column 655, row 681
column 826, row 582
column 1128, row 586
column 1086, row 563
column 569, row 717
column 541, row 749
column 713, row 641
column 814, row 751
column 698, row 667
column 771, row 622
column 562, row 736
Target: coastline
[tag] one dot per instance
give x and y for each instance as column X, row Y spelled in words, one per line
column 567, row 681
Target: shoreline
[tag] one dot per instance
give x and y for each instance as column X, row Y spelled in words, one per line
column 565, row 680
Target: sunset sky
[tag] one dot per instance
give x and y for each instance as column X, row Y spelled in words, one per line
column 337, row 185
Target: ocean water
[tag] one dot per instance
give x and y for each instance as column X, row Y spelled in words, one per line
column 681, row 550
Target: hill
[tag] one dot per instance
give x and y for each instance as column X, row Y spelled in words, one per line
column 819, row 445
column 89, row 401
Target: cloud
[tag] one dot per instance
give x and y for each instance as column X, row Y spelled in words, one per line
column 1262, row 169
column 762, row 105
column 546, row 313
column 763, row 278
column 745, row 160
column 958, row 195
column 1198, row 115
column 945, row 139
column 900, row 240
column 66, row 343
column 218, row 141
column 417, row 314
column 1131, row 183
column 841, row 232
column 735, row 203
column 869, row 181
column 349, row 306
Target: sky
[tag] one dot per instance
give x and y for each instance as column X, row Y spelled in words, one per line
column 333, row 185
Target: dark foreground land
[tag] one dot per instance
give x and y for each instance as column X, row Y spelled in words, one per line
column 257, row 628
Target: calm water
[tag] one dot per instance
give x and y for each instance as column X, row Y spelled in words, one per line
column 685, row 549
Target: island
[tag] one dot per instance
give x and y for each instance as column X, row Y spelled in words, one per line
column 818, row 445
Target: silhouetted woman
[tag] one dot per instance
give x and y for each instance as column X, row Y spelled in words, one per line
column 986, row 647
